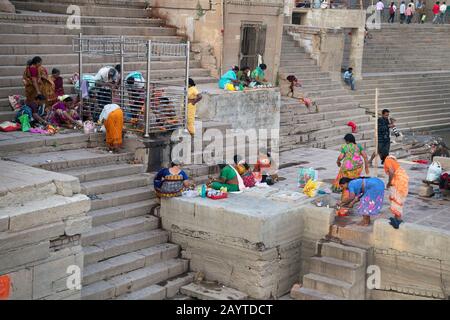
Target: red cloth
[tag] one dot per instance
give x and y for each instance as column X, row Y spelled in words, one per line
column 354, row 126
column 34, row 72
column 59, row 86
column 421, row 161
column 436, row 9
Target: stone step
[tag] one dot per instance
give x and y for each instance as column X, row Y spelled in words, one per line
column 207, row 291
column 86, row 10
column 137, row 4
column 401, row 89
column 129, row 262
column 30, row 17
column 302, row 293
column 132, row 285
column 304, row 76
column 7, row 115
column 92, row 68
column 115, row 184
column 299, row 65
column 393, row 103
column 120, row 198
column 174, row 285
column 87, row 30
column 337, row 269
column 57, row 161
column 343, row 252
column 327, row 285
column 103, row 172
column 399, row 69
column 117, row 213
column 119, row 229
column 29, row 143
column 431, row 123
column 301, row 58
column 115, row 247
column 412, row 96
column 66, row 39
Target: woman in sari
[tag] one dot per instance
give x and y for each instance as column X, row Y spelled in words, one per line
column 369, row 192
column 193, row 98
column 229, row 178
column 351, row 161
column 398, row 188
column 170, row 182
column 37, row 82
column 63, row 113
column 112, row 116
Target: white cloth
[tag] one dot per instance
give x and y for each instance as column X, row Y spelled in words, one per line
column 402, row 8
column 239, row 178
column 443, row 8
column 102, row 74
column 107, row 110
column 380, row 6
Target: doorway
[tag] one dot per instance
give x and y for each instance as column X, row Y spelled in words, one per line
column 253, row 43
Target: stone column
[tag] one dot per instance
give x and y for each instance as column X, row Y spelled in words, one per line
column 7, row 6
column 356, row 52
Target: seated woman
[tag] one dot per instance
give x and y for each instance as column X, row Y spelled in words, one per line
column 229, row 80
column 170, row 182
column 228, row 178
column 63, row 113
column 244, row 171
column 264, row 170
column 370, row 194
column 112, row 115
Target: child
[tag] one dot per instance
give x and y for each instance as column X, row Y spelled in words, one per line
column 59, row 82
column 293, row 83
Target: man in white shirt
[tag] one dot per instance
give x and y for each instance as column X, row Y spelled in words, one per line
column 402, row 12
column 106, row 79
column 443, row 9
column 380, row 9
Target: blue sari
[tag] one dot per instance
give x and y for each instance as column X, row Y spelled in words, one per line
column 371, row 201
column 228, row 77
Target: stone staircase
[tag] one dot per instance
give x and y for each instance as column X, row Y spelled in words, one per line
column 325, row 129
column 407, row 48
column 126, row 254
column 337, row 272
column 40, row 29
column 409, row 66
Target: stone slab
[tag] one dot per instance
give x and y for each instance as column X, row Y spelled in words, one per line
column 78, row 225
column 24, row 255
column 21, row 284
column 204, row 291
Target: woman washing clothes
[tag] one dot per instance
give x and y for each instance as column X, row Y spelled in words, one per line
column 64, row 114
column 112, row 116
column 398, row 188
column 369, row 192
column 351, row 161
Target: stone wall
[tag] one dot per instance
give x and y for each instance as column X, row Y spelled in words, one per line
column 42, row 216
column 252, row 109
column 325, row 45
column 257, row 242
column 341, row 18
column 212, row 26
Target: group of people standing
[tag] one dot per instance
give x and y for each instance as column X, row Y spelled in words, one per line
column 367, row 191
column 407, row 11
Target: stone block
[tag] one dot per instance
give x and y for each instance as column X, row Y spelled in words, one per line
column 21, row 284
column 78, row 225
column 210, row 292
column 52, row 209
column 425, row 191
column 50, row 277
column 173, row 286
column 4, row 222
column 9, row 240
column 6, row 6
column 15, row 258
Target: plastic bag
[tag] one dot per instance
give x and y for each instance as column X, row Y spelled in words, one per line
column 304, row 174
column 434, row 171
column 25, row 122
column 88, row 127
column 311, row 188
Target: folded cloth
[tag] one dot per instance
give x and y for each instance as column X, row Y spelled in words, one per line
column 353, row 125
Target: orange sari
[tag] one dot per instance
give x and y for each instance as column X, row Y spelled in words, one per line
column 399, row 186
column 114, row 127
column 46, row 85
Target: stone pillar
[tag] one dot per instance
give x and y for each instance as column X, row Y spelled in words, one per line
column 356, row 52
column 7, row 6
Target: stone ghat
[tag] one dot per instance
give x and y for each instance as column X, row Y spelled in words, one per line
column 42, row 216
column 255, row 242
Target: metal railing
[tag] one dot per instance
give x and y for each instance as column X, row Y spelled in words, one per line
column 149, row 104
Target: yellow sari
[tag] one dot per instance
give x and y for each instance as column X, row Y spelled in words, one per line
column 191, row 109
